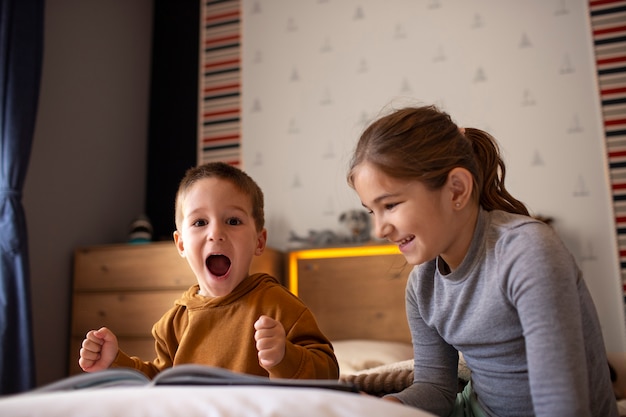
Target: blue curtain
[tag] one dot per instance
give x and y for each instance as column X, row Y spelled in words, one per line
column 21, row 45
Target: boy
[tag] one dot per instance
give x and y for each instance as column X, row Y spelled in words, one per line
column 229, row 319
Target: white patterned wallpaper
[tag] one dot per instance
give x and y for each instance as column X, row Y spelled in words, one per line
column 315, row 72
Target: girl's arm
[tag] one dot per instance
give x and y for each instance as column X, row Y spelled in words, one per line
column 543, row 285
column 435, row 380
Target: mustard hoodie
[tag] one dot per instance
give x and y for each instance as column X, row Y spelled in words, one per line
column 219, row 331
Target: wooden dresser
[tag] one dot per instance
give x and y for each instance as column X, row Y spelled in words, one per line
column 129, row 287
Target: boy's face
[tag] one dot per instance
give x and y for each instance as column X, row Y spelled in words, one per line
column 218, row 235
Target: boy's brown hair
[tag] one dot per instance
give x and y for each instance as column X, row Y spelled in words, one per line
column 224, row 171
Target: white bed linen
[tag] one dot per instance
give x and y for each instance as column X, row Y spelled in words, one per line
column 195, row 401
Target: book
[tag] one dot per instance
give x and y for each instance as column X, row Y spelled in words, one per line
column 186, row 374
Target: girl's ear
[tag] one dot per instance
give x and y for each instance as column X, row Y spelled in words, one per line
column 461, row 185
column 178, row 241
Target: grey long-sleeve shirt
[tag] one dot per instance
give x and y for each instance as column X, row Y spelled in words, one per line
column 519, row 311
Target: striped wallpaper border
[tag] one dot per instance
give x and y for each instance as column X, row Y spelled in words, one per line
column 219, row 107
column 608, row 23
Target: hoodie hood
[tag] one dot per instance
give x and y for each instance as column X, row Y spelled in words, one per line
column 192, row 300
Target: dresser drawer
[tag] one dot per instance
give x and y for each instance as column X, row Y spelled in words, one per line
column 156, row 266
column 118, row 267
column 126, row 314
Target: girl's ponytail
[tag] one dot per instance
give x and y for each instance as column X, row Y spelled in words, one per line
column 493, row 195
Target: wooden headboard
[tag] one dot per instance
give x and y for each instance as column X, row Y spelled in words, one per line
column 354, row 292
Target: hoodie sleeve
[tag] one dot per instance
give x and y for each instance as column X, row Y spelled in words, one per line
column 166, row 342
column 308, row 352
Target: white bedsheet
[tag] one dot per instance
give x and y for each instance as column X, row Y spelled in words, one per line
column 196, row 401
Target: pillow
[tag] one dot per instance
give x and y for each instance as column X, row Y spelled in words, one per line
column 356, row 355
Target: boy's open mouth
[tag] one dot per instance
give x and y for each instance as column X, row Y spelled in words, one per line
column 218, row 265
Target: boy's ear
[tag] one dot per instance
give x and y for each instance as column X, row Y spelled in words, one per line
column 261, row 242
column 178, row 241
column 461, row 185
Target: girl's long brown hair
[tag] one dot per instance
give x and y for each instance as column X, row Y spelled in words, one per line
column 424, row 143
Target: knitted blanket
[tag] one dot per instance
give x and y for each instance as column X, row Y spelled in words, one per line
column 387, row 379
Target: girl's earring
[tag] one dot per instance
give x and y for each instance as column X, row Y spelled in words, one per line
column 457, row 205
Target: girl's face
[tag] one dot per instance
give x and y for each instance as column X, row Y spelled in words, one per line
column 420, row 221
column 218, row 235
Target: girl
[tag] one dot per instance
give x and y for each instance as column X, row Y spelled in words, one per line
column 489, row 280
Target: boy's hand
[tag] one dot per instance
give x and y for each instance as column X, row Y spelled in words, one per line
column 98, row 350
column 270, row 341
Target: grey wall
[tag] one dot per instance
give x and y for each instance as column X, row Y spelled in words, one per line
column 86, row 177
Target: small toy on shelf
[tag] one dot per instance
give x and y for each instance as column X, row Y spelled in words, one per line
column 140, row 230
column 357, row 230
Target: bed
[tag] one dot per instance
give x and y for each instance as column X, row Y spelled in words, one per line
column 357, row 296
